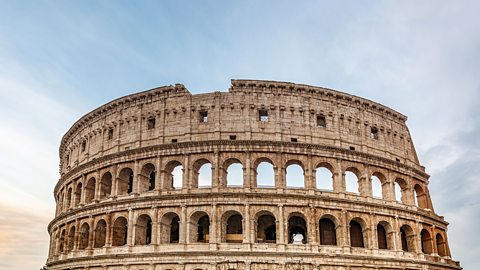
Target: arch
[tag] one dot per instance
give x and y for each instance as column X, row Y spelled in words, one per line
column 407, row 238
column 147, row 178
column 84, row 235
column 266, row 229
column 90, row 190
column 71, row 239
column 297, row 229
column 100, row 234
column 377, row 190
column 232, row 227
column 174, row 175
column 77, row 194
column 68, row 203
column 294, row 174
column 400, row 188
column 119, row 232
column 60, row 202
column 420, row 197
column 426, row 242
column 264, row 173
column 106, row 185
column 61, row 246
column 352, row 180
column 328, row 231
column 324, row 177
column 170, row 228
column 356, row 234
column 382, row 236
column 125, row 181
column 199, row 227
column 441, row 245
column 143, row 230
column 202, row 173
column 234, row 172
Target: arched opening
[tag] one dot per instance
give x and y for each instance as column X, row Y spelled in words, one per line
column 61, row 246
column 297, row 230
column 266, row 228
column 68, row 203
column 90, row 190
column 400, row 188
column 78, row 194
column 356, row 234
column 60, row 205
column 295, row 177
column 264, row 173
column 234, row 173
column 120, row 231
column 382, row 237
column 147, row 178
column 71, row 239
column 398, row 192
column 143, row 230
column 420, row 197
column 125, row 181
column 234, row 228
column 377, row 191
column 173, row 175
column 407, row 237
column 200, row 227
column 170, row 228
column 84, row 235
column 100, row 234
column 324, row 178
column 441, row 245
column 426, row 242
column 106, row 185
column 328, row 232
column 202, row 177
column 351, row 181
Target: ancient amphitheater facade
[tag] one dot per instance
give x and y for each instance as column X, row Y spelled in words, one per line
column 266, row 176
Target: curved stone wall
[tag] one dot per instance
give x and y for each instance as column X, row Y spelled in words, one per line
column 269, row 175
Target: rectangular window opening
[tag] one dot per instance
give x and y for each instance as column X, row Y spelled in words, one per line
column 352, row 148
column 151, row 123
column 374, row 133
column 293, row 139
column 203, row 116
column 84, row 145
column 110, row 134
column 233, row 137
column 174, row 140
column 263, row 115
column 321, row 121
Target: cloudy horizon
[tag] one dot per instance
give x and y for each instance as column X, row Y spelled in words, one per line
column 62, row 59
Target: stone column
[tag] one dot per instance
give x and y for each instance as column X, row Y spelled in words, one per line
column 155, row 226
column 281, row 225
column 183, row 225
column 158, row 174
column 215, row 171
column 186, row 185
column 131, row 225
column 109, row 232
column 136, row 178
column 249, row 180
column 82, row 194
column 247, row 229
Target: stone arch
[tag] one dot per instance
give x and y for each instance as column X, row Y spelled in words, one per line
column 202, row 173
column 71, row 239
column 384, row 235
column 199, row 227
column 143, row 230
column 83, row 236
column 170, row 228
column 264, row 172
column 297, row 229
column 77, row 194
column 294, row 174
column 68, row 203
column 426, row 240
column 407, row 238
column 61, row 245
column 100, row 234
column 378, row 181
column 352, row 180
column 106, row 185
column 232, row 227
column 420, row 197
column 125, row 181
column 89, row 190
column 234, row 176
column 441, row 245
column 266, row 227
column 328, row 230
column 147, row 178
column 357, row 229
column 174, row 175
column 402, row 186
column 120, row 231
column 324, row 176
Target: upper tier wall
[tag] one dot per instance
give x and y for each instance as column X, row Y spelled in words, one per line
column 292, row 109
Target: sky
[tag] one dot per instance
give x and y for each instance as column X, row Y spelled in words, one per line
column 61, row 59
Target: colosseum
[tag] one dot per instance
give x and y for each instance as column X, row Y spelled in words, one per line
column 269, row 175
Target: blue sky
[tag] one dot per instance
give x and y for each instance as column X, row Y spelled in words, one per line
column 61, row 59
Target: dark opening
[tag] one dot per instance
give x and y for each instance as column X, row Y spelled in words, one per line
column 356, row 234
column 203, row 116
column 233, row 137
column 175, row 230
column 382, row 237
column 234, row 229
column 263, row 115
column 352, row 148
column 110, row 134
column 403, row 236
column 266, row 229
column 151, row 180
column 130, row 183
column 151, row 123
column 397, row 159
column 328, row 235
column 293, row 139
column 174, row 140
column 321, row 121
column 203, row 229
column 148, row 237
column 374, row 133
column 297, row 230
column 84, row 145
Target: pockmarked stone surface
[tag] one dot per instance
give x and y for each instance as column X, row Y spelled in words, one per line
column 267, row 176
